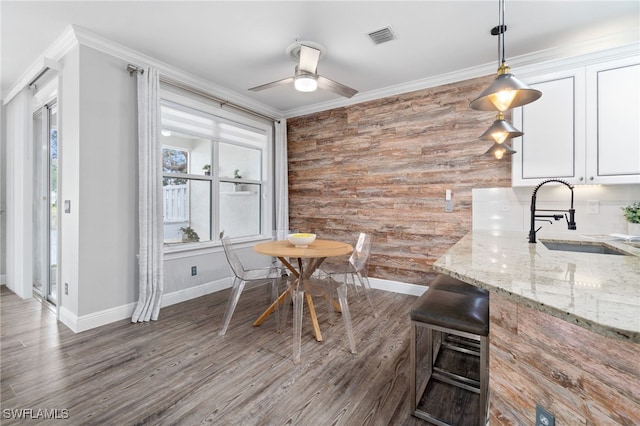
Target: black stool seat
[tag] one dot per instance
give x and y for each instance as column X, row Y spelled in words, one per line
column 463, row 312
column 447, row 283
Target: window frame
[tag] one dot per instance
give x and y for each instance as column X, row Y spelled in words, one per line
column 177, row 98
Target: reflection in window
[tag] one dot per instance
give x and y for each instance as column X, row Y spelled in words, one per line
column 213, row 176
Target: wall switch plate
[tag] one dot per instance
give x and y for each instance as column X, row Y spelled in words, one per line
column 194, row 270
column 66, row 288
column 543, row 417
column 448, row 206
column 593, row 206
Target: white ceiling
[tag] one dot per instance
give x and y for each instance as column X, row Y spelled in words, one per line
column 240, row 44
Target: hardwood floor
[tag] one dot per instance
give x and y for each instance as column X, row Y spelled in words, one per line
column 177, row 370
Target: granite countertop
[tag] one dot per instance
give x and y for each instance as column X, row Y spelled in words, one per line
column 599, row 292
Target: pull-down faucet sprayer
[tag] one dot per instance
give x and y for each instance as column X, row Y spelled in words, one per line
column 571, row 221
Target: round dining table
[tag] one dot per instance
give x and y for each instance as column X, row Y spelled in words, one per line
column 315, row 253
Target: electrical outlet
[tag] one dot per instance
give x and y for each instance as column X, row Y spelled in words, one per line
column 504, row 206
column 593, row 206
column 194, row 270
column 66, row 288
column 543, row 417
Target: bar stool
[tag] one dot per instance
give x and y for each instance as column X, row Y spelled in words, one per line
column 454, row 315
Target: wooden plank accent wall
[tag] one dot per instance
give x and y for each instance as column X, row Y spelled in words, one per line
column 383, row 166
column 582, row 378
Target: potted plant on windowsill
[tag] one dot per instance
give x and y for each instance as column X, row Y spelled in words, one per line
column 632, row 214
column 236, row 175
column 207, row 169
column 189, row 235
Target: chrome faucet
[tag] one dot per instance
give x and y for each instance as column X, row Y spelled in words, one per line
column 571, row 221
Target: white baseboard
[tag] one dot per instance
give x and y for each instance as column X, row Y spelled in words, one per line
column 107, row 316
column 3, row 279
column 397, row 286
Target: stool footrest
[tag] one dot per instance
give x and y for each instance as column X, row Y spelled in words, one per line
column 456, row 380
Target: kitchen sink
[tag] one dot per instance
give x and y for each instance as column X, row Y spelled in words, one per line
column 589, row 247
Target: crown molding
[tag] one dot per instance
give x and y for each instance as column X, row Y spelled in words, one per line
column 60, row 47
column 614, row 46
column 89, row 39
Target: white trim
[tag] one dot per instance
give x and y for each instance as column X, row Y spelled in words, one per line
column 3, row 279
column 97, row 319
column 89, row 39
column 107, row 316
column 610, row 47
column 55, row 52
column 397, row 287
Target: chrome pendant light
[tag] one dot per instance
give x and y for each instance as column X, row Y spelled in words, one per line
column 506, row 91
column 500, row 131
column 499, row 150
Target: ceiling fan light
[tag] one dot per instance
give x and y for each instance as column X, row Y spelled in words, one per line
column 305, row 83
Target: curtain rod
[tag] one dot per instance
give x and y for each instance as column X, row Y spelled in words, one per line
column 134, row 68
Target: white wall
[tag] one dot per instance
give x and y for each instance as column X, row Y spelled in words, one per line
column 98, row 174
column 509, row 208
column 3, row 197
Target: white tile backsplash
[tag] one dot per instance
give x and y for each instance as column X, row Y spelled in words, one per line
column 509, row 208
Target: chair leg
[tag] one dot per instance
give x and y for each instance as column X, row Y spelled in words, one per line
column 236, row 291
column 298, row 305
column 274, row 297
column 346, row 316
column 364, row 282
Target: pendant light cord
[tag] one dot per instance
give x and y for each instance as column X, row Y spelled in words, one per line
column 501, row 30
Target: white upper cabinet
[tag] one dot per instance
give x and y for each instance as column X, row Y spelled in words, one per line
column 613, row 122
column 585, row 128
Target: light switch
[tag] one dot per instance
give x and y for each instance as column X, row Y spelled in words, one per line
column 448, row 206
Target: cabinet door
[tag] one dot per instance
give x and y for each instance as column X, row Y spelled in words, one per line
column 553, row 142
column 613, row 122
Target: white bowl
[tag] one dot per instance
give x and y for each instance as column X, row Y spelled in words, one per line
column 301, row 240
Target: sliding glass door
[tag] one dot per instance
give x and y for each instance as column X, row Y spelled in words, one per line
column 45, row 202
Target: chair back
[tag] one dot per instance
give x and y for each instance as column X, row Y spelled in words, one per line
column 232, row 257
column 360, row 255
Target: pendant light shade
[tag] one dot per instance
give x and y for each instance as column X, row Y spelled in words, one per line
column 499, row 150
column 506, row 91
column 500, row 130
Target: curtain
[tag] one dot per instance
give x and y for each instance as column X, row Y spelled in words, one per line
column 19, row 141
column 151, row 266
column 281, row 176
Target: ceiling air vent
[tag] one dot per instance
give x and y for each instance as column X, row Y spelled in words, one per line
column 382, row 35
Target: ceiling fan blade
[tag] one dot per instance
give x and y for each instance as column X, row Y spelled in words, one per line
column 273, row 84
column 335, row 87
column 309, row 58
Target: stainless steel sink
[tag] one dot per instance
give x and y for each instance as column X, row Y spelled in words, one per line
column 586, row 247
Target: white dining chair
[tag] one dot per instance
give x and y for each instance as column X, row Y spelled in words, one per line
column 356, row 267
column 242, row 276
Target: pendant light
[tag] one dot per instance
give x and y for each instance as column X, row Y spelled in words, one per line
column 499, row 150
column 500, row 130
column 506, row 91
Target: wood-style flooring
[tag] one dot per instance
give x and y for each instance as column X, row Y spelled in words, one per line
column 177, row 370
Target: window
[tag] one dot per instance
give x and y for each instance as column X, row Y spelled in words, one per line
column 216, row 173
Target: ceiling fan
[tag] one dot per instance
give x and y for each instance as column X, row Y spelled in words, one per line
column 306, row 78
